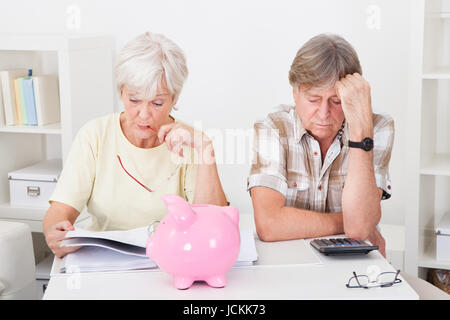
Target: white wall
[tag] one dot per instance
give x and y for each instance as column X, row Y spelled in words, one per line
column 239, row 53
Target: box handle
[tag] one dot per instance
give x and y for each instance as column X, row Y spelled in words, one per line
column 33, row 191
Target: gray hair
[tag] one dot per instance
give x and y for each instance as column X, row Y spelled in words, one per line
column 322, row 61
column 149, row 61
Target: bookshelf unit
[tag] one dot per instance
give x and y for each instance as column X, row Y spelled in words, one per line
column 429, row 130
column 84, row 65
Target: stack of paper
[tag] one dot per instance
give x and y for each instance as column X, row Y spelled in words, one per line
column 125, row 250
column 247, row 253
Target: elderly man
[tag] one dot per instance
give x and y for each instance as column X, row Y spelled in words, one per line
column 321, row 167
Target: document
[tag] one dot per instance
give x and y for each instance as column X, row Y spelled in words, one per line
column 137, row 237
column 96, row 259
column 125, row 250
column 247, row 253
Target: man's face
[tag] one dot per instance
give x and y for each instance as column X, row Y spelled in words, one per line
column 320, row 111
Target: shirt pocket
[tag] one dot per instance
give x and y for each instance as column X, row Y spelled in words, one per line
column 335, row 188
column 298, row 193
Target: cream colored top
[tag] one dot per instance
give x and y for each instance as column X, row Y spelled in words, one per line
column 93, row 176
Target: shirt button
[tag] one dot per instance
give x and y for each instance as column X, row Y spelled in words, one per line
column 389, row 187
column 294, row 185
column 315, row 153
column 320, row 187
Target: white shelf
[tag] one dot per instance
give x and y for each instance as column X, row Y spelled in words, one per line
column 429, row 171
column 437, row 73
column 21, row 213
column 84, row 66
column 53, row 128
column 33, row 216
column 439, row 165
column 427, row 259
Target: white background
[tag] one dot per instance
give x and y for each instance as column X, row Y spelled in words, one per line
column 239, row 54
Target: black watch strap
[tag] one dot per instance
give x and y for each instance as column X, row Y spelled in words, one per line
column 366, row 144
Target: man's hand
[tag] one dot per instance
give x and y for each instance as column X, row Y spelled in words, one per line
column 377, row 240
column 354, row 92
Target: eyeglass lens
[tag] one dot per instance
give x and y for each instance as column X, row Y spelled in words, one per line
column 383, row 279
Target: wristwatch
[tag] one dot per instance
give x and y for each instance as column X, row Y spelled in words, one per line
column 366, row 144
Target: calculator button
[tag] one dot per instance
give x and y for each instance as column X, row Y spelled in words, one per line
column 323, row 243
column 336, row 242
column 345, row 241
column 318, row 242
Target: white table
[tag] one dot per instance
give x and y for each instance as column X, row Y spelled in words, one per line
column 268, row 279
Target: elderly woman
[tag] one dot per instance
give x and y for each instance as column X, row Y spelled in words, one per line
column 120, row 165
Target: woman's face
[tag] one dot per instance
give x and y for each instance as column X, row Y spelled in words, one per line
column 145, row 117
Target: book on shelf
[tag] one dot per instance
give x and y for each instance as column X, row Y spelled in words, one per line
column 19, row 120
column 2, row 111
column 126, row 250
column 9, row 97
column 30, row 107
column 46, row 93
column 21, row 101
column 29, row 100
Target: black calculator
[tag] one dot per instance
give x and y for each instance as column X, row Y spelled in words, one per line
column 342, row 246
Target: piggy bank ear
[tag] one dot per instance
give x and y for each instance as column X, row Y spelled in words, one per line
column 233, row 214
column 180, row 210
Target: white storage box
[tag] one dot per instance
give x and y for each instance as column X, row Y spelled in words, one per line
column 32, row 186
column 443, row 238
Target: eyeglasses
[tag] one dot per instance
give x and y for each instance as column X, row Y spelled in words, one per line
column 144, row 186
column 384, row 279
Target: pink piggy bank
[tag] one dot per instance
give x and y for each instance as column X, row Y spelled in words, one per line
column 195, row 242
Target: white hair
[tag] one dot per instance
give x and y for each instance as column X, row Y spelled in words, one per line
column 148, row 62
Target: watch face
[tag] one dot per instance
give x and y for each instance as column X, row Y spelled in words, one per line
column 368, row 144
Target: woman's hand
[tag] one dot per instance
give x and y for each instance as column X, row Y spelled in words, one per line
column 55, row 234
column 176, row 135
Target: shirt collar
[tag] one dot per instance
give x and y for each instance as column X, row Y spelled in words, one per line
column 299, row 130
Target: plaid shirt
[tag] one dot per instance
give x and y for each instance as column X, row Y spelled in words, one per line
column 287, row 159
